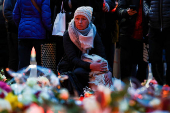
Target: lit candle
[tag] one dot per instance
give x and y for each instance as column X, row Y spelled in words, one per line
column 33, row 64
column 33, row 56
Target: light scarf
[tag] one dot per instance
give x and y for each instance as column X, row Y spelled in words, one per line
column 83, row 39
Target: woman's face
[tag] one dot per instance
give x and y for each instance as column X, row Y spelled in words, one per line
column 81, row 22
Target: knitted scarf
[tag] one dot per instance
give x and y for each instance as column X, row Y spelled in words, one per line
column 83, row 39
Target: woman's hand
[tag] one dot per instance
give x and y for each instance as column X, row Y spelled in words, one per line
column 108, row 78
column 98, row 66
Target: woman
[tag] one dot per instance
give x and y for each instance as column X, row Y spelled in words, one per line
column 80, row 38
column 32, row 27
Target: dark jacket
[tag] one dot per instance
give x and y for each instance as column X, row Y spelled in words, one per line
column 32, row 24
column 105, row 21
column 96, row 4
column 158, row 13
column 2, row 22
column 72, row 57
column 8, row 9
column 127, row 22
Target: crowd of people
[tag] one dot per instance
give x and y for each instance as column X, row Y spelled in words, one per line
column 92, row 27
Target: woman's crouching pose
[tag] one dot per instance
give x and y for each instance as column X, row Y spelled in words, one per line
column 82, row 38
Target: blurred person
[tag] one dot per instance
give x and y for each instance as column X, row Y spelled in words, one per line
column 33, row 25
column 132, row 33
column 4, row 58
column 105, row 22
column 12, row 34
column 157, row 12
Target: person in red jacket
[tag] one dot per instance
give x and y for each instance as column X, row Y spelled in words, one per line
column 131, row 39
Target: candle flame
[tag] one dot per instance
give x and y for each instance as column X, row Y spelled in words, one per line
column 33, row 53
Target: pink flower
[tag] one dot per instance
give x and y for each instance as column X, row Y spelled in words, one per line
column 5, row 87
column 34, row 108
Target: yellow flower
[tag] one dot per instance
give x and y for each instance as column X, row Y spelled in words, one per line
column 13, row 100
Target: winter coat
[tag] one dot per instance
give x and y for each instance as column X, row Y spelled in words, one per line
column 72, row 57
column 127, row 22
column 158, row 13
column 8, row 13
column 105, row 21
column 2, row 22
column 32, row 24
column 96, row 4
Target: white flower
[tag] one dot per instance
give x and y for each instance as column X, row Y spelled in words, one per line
column 3, row 77
column 118, row 84
column 100, row 88
column 64, row 94
column 36, row 88
column 155, row 102
column 106, row 91
column 17, row 88
column 27, row 96
column 27, row 99
column 43, row 80
column 44, row 95
column 55, row 80
column 90, row 104
column 5, row 105
column 123, row 105
column 31, row 81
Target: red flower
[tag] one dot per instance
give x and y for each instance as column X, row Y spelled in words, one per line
column 2, row 95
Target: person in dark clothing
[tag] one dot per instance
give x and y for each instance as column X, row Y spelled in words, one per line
column 4, row 57
column 72, row 5
column 131, row 39
column 81, row 38
column 103, row 19
column 33, row 26
column 105, row 22
column 12, row 34
column 158, row 13
column 69, row 6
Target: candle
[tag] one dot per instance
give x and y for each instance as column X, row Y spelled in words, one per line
column 33, row 63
